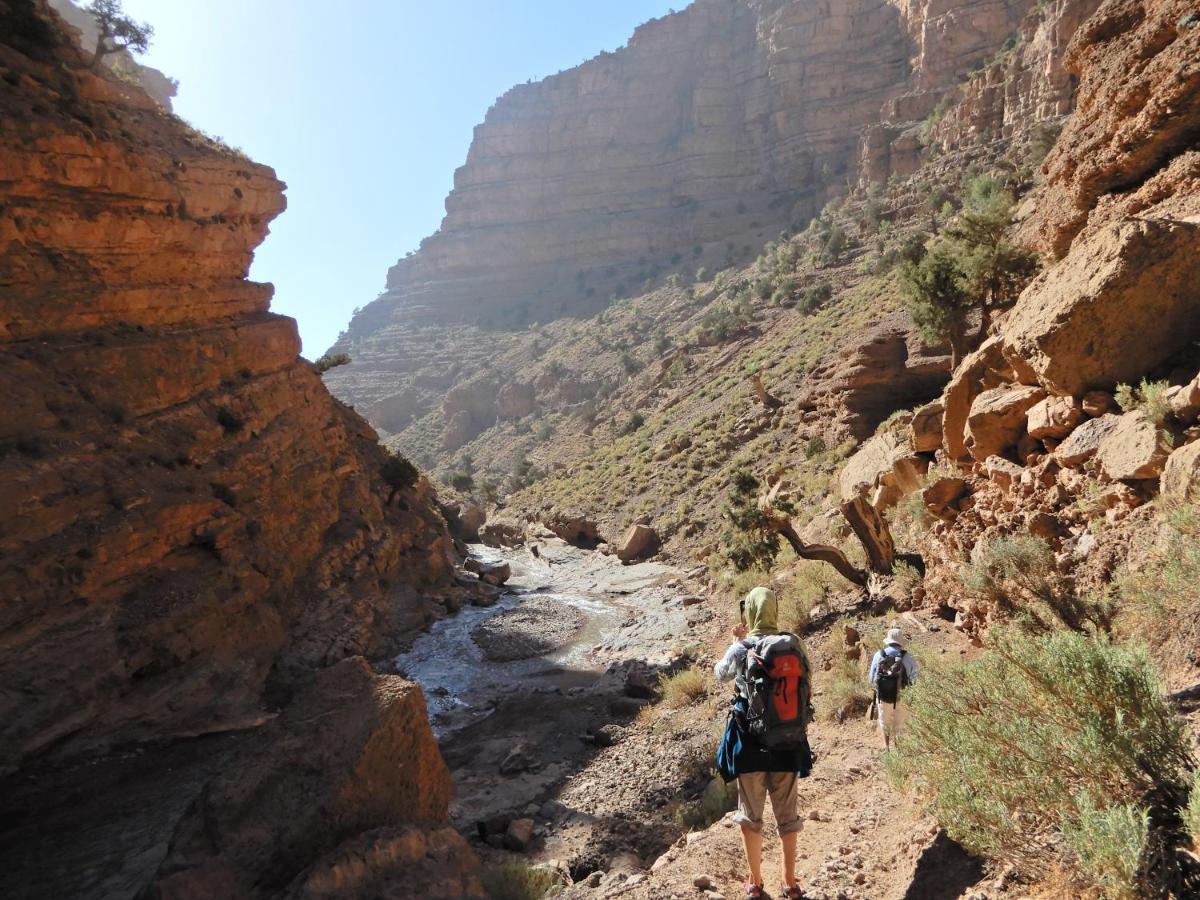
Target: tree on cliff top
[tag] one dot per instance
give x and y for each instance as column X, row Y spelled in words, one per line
column 117, row 30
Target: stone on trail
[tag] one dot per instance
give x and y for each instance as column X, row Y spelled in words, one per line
column 1179, row 477
column 703, row 882
column 519, row 835
column 638, row 542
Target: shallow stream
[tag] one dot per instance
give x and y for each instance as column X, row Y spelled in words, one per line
column 608, row 611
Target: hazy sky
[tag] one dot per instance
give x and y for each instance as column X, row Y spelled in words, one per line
column 365, row 108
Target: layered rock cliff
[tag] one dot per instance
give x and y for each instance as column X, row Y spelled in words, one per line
column 715, row 128
column 190, row 525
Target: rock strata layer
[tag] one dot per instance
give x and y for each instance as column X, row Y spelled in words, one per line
column 194, row 535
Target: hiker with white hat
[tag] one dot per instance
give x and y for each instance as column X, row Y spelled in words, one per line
column 892, row 670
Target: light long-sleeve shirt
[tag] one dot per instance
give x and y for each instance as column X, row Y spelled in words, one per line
column 910, row 663
column 728, row 666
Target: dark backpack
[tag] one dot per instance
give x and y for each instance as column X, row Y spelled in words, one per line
column 777, row 683
column 891, row 677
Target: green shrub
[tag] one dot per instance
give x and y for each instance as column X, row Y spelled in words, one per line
column 1191, row 812
column 636, row 421
column 1027, row 753
column 1149, row 398
column 847, row 692
column 1160, row 601
column 398, row 473
column 1045, row 135
column 331, row 361
column 684, row 687
column 520, row 881
column 1016, row 575
column 1109, row 844
column 461, row 481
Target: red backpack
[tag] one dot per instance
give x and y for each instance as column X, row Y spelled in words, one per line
column 779, row 687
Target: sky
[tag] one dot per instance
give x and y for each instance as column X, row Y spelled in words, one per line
column 365, row 108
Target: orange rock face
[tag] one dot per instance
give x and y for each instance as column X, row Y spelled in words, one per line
column 183, row 507
column 1130, row 149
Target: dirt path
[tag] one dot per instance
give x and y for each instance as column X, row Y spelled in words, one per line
column 560, row 722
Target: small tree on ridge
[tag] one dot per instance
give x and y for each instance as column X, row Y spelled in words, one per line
column 117, row 31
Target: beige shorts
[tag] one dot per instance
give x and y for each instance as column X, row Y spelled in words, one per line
column 752, row 798
column 892, row 717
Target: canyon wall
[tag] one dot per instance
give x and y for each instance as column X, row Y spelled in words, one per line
column 715, row 128
column 187, row 518
column 198, row 544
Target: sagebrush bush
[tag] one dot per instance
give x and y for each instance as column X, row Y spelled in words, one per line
column 1109, row 845
column 1149, row 397
column 1015, row 574
column 1191, row 812
column 1161, row 603
column 847, row 692
column 683, row 687
column 520, row 881
column 1024, row 752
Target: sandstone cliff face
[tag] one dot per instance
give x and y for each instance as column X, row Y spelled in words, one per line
column 194, row 534
column 713, row 129
column 1119, row 216
column 185, row 512
column 1133, row 148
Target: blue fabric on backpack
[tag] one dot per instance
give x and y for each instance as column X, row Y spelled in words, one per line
column 739, row 753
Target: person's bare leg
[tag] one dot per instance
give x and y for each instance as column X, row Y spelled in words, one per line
column 789, row 841
column 752, row 841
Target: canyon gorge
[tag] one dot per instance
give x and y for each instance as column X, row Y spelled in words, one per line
column 663, row 347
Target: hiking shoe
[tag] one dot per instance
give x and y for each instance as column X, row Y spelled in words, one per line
column 754, row 891
column 791, row 893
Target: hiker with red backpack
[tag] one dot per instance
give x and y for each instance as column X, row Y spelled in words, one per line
column 765, row 745
column 892, row 670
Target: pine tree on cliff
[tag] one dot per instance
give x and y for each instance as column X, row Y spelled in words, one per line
column 117, row 31
column 972, row 264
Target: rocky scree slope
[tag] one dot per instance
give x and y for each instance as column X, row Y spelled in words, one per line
column 191, row 527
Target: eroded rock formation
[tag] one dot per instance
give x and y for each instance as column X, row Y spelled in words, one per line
column 190, row 524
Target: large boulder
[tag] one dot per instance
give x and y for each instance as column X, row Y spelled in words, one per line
column 940, row 496
column 351, row 753
column 1185, row 402
column 925, row 430
column 885, row 468
column 575, row 528
column 1181, row 474
column 871, row 461
column 1136, row 448
column 638, row 542
column 465, row 519
column 1122, row 301
column 1053, row 417
column 980, row 371
column 1085, row 440
column 502, row 532
column 998, row 417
